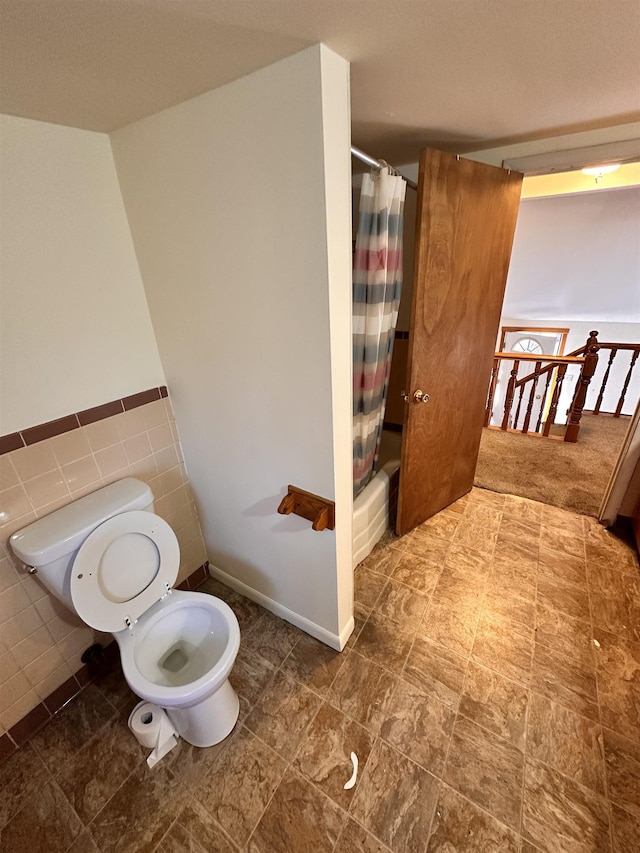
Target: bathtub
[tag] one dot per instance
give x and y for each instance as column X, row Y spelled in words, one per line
column 371, row 510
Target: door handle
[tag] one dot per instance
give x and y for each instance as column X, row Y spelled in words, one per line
column 418, row 397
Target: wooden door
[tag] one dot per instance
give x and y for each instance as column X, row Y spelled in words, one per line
column 464, row 232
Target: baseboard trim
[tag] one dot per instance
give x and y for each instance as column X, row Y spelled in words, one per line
column 334, row 641
column 346, row 632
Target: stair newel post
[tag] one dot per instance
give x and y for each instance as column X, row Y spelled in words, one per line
column 592, row 340
column 508, row 403
column 575, row 413
column 534, row 384
column 553, row 408
column 492, row 390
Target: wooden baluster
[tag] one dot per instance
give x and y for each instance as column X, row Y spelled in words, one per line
column 534, row 384
column 510, row 392
column 605, row 379
column 492, row 390
column 517, row 417
column 553, row 408
column 634, row 358
column 544, row 400
column 588, row 369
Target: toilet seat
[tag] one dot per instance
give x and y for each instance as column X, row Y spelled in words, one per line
column 123, row 567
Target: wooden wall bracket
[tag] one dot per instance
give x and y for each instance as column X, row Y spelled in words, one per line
column 320, row 511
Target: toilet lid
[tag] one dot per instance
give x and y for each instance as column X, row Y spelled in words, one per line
column 122, row 568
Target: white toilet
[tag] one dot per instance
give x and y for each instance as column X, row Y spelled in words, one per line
column 112, row 561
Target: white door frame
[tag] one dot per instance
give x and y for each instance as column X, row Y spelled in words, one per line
column 622, row 473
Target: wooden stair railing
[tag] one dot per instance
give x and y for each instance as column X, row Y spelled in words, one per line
column 635, row 352
column 614, row 348
column 553, row 372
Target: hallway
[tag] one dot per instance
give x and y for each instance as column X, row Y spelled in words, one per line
column 491, row 692
column 570, row 476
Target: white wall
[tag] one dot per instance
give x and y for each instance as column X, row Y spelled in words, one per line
column 577, row 257
column 75, row 329
column 239, row 205
column 336, row 123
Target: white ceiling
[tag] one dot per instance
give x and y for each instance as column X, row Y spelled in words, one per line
column 456, row 74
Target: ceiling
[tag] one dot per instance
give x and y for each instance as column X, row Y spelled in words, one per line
column 456, row 74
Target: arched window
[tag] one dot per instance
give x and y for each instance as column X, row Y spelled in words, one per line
column 527, row 345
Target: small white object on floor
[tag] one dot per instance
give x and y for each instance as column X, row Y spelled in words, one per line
column 596, row 644
column 153, row 730
column 354, row 775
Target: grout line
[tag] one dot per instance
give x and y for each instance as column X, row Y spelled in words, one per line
column 490, row 560
column 71, row 806
column 457, row 709
column 99, row 812
column 170, row 827
column 288, row 762
column 378, row 739
column 530, row 690
column 86, row 825
column 324, row 699
column 590, row 791
column 605, row 774
column 483, row 809
column 382, row 846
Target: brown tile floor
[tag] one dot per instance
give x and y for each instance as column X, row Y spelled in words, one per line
column 491, row 692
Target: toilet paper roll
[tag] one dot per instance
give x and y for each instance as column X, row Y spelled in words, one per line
column 151, row 726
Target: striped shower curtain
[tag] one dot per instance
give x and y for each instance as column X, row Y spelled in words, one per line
column 377, row 283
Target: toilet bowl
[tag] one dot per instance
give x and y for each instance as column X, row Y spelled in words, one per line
column 179, row 657
column 112, row 561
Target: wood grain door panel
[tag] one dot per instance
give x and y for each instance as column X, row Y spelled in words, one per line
column 464, row 232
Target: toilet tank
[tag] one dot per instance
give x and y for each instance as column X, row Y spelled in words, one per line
column 51, row 543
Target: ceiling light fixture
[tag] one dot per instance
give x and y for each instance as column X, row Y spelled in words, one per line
column 599, row 171
column 574, row 159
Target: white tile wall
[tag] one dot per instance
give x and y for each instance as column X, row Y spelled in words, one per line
column 40, row 640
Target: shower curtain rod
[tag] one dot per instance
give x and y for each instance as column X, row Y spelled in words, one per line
column 377, row 164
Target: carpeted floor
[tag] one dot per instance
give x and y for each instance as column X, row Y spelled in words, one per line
column 572, row 476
